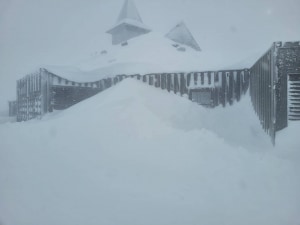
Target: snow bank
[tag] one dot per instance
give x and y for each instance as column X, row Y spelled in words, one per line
column 138, row 155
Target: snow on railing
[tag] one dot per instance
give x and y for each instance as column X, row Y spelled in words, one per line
column 209, row 88
column 44, row 91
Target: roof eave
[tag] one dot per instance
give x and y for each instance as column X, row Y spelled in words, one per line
column 111, row 31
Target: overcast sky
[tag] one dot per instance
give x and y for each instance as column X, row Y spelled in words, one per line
column 62, row 32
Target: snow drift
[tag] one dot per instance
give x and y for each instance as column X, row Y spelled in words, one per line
column 134, row 154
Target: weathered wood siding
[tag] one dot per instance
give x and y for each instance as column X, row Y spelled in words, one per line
column 224, row 87
column 44, row 91
column 268, row 85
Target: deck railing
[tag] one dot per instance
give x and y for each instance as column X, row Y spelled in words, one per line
column 44, row 91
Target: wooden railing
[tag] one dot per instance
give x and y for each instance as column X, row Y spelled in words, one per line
column 210, row 88
column 44, row 91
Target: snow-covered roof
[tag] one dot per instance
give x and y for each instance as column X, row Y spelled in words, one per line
column 131, row 22
column 151, row 53
column 181, row 34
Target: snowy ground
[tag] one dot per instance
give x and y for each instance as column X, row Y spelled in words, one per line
column 136, row 155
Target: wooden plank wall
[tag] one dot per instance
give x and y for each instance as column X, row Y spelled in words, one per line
column 268, row 85
column 29, row 97
column 225, row 87
column 262, row 91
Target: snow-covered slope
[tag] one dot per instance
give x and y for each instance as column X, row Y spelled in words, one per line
column 135, row 155
column 150, row 53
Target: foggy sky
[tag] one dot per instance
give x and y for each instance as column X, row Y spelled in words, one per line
column 62, row 32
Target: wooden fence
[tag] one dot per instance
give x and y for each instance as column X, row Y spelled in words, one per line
column 210, row 88
column 44, row 91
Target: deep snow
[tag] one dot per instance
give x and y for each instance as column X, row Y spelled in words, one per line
column 134, row 154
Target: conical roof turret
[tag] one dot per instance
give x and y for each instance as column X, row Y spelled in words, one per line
column 129, row 11
column 129, row 24
column 182, row 35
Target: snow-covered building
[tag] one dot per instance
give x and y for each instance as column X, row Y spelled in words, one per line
column 129, row 24
column 182, row 35
column 187, row 74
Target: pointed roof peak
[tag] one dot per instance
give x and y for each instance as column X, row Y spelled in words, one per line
column 181, row 23
column 129, row 11
column 182, row 35
column 129, row 24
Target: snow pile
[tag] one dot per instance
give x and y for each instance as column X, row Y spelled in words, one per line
column 134, row 154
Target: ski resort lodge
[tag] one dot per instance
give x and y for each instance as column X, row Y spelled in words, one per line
column 273, row 82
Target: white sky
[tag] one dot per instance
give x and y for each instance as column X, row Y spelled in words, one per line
column 59, row 32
